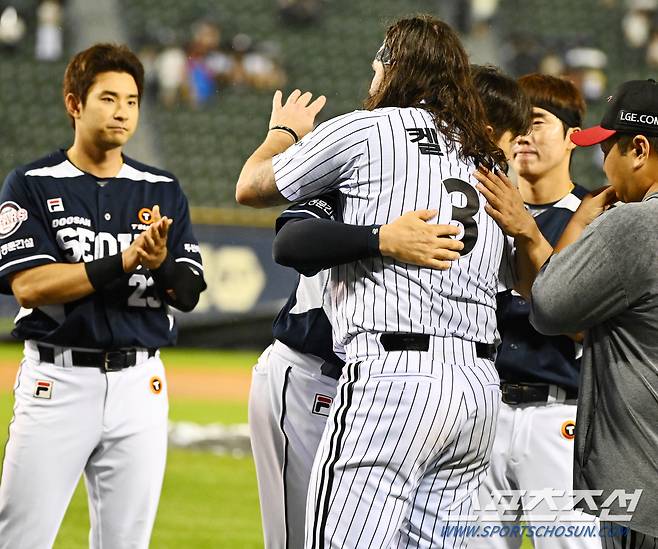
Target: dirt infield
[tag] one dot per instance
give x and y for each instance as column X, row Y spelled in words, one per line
column 205, row 384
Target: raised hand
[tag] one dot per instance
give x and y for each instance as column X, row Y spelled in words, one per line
column 410, row 239
column 298, row 113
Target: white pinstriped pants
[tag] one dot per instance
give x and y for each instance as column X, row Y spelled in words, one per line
column 407, row 442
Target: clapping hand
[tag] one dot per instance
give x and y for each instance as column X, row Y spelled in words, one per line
column 152, row 243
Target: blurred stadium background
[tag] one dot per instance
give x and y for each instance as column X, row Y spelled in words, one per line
column 211, row 69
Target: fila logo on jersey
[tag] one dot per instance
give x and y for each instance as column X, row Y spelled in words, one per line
column 55, row 204
column 156, row 385
column 321, row 405
column 568, row 429
column 44, row 389
column 11, row 217
column 145, row 215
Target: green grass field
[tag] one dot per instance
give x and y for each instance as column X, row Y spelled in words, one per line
column 208, row 501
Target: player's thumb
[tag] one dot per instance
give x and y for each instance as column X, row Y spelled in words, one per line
column 610, row 195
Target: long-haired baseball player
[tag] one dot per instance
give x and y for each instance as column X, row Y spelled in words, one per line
column 408, row 436
column 295, row 379
column 96, row 247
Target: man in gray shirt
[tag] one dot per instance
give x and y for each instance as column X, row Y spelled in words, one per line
column 603, row 279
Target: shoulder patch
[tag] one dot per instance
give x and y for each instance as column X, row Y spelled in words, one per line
column 11, row 218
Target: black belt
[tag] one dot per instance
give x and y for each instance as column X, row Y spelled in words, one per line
column 521, row 393
column 110, row 361
column 399, row 341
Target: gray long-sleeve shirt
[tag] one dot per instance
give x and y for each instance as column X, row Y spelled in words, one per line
column 606, row 284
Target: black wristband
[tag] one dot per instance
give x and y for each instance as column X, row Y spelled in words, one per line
column 373, row 240
column 101, row 272
column 165, row 274
column 288, row 130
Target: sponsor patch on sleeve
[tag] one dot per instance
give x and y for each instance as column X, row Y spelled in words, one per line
column 11, row 218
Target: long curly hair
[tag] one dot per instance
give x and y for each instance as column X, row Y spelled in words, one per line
column 429, row 69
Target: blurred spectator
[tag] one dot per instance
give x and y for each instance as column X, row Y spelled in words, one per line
column 652, row 50
column 49, row 31
column 12, row 28
column 170, row 67
column 551, row 64
column 257, row 66
column 636, row 24
column 586, row 68
column 195, row 74
column 207, row 65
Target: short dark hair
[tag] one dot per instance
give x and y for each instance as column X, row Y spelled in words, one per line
column 625, row 142
column 544, row 89
column 86, row 65
column 506, row 105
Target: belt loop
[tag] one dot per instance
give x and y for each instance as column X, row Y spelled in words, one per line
column 561, row 395
column 552, row 394
column 63, row 357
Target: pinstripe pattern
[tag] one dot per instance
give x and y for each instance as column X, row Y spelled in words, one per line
column 409, row 434
column 400, row 449
column 286, row 443
column 630, row 539
column 381, row 174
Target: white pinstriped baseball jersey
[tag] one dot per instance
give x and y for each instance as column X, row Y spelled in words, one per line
column 384, row 163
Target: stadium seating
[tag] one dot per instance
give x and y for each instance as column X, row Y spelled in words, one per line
column 206, row 146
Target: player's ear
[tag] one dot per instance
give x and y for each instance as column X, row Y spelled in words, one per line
column 490, row 130
column 73, row 105
column 641, row 150
column 570, row 144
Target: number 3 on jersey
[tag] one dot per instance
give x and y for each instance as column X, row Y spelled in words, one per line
column 137, row 299
column 464, row 214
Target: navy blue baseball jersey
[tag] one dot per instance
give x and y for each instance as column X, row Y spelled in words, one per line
column 525, row 355
column 303, row 323
column 52, row 212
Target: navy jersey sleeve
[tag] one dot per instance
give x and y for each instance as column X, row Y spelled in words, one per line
column 183, row 245
column 25, row 239
column 322, row 207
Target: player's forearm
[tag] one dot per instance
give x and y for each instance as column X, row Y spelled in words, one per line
column 256, row 186
column 58, row 283
column 311, row 245
column 180, row 284
column 532, row 251
column 51, row 284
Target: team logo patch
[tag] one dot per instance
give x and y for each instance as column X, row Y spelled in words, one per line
column 145, row 215
column 156, row 385
column 321, row 405
column 11, row 217
column 44, row 389
column 568, row 429
column 55, row 204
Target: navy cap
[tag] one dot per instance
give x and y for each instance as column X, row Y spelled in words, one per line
column 632, row 109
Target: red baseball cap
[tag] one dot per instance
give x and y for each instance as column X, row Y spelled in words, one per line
column 633, row 109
